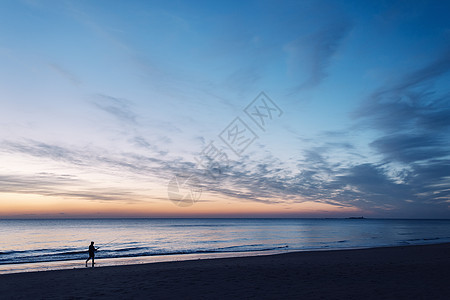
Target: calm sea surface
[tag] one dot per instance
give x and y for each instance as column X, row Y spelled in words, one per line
column 34, row 241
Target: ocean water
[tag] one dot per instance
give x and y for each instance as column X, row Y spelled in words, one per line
column 40, row 241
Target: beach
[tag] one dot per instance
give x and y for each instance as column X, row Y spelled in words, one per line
column 405, row 272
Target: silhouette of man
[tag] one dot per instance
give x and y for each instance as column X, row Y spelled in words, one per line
column 92, row 250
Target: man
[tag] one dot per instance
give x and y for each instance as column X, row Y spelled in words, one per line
column 91, row 253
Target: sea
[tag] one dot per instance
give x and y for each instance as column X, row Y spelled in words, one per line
column 36, row 245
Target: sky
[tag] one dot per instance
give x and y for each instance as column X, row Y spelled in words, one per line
column 224, row 109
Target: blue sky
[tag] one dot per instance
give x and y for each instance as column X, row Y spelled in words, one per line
column 103, row 103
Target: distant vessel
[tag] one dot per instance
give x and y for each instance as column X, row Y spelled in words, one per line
column 357, row 218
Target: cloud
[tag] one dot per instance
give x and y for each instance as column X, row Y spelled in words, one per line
column 412, row 115
column 408, row 148
column 433, row 70
column 412, row 118
column 65, row 73
column 262, row 185
column 65, row 186
column 244, row 78
column 422, row 188
column 34, row 184
column 40, row 149
column 411, row 102
column 313, row 53
column 96, row 161
column 142, row 142
column 118, row 107
column 376, row 189
column 371, row 187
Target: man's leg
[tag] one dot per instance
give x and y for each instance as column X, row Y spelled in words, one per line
column 87, row 260
column 92, row 261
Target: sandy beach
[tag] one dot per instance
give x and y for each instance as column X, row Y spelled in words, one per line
column 409, row 272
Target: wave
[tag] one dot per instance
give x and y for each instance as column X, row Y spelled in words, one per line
column 162, row 237
column 424, row 239
column 71, row 250
column 131, row 252
column 129, row 249
column 199, row 225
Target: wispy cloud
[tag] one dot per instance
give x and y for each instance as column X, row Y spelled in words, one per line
column 118, row 107
column 370, row 187
column 413, row 116
column 408, row 148
column 44, row 150
column 65, row 73
column 411, row 102
column 66, row 186
column 312, row 54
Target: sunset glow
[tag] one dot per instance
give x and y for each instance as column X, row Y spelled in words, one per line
column 345, row 108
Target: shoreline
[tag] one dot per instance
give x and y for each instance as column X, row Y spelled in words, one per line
column 126, row 261
column 402, row 272
column 48, row 266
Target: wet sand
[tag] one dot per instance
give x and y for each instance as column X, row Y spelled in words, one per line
column 409, row 272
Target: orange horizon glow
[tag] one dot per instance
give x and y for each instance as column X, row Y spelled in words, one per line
column 29, row 206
